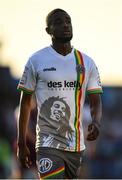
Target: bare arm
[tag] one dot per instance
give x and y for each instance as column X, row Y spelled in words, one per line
column 96, row 114
column 25, row 109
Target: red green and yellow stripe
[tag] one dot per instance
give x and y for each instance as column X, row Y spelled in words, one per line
column 21, row 88
column 94, row 91
column 53, row 173
column 78, row 95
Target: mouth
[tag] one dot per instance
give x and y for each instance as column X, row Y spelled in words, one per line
column 66, row 32
column 58, row 115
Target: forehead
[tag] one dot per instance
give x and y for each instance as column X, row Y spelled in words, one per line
column 58, row 102
column 58, row 15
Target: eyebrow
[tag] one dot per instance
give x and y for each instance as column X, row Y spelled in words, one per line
column 50, row 20
column 58, row 18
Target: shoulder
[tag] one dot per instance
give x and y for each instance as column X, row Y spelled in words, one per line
column 38, row 58
column 88, row 61
column 38, row 54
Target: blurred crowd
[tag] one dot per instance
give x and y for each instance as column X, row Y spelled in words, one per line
column 102, row 159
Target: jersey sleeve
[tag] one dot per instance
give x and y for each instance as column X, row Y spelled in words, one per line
column 94, row 83
column 27, row 82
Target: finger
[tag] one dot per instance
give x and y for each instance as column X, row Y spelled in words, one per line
column 93, row 135
column 28, row 162
column 91, row 138
column 91, row 127
column 25, row 162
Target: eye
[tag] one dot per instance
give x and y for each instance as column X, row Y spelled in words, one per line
column 68, row 20
column 63, row 109
column 57, row 106
column 57, row 21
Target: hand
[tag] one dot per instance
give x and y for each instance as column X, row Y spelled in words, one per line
column 23, row 154
column 93, row 132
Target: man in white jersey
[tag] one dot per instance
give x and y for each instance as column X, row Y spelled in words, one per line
column 59, row 76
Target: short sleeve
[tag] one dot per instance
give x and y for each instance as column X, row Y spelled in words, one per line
column 27, row 82
column 94, row 82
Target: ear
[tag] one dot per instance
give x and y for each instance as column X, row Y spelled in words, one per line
column 47, row 30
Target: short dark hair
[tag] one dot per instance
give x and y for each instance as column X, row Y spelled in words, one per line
column 48, row 18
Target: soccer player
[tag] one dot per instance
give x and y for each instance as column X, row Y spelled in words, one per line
column 60, row 76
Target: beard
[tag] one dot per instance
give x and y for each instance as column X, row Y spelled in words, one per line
column 64, row 39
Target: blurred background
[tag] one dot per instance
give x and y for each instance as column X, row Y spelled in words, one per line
column 97, row 27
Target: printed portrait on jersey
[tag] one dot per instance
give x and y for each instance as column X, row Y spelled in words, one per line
column 57, row 112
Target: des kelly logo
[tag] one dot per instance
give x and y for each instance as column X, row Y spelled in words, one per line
column 64, row 84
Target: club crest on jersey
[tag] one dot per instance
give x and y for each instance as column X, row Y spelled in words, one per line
column 80, row 68
column 44, row 165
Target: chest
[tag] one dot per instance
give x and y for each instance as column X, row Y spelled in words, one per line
column 57, row 71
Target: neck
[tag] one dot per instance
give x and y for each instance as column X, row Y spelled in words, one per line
column 62, row 48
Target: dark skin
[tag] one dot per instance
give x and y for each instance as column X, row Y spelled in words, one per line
column 96, row 114
column 23, row 152
column 60, row 30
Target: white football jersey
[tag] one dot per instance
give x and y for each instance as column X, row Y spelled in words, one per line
column 60, row 84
